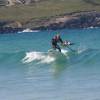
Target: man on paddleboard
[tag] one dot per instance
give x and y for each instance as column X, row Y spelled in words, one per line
column 57, row 39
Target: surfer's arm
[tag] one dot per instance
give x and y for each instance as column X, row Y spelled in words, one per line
column 61, row 41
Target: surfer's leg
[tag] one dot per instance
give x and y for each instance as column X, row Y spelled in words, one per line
column 57, row 46
column 54, row 47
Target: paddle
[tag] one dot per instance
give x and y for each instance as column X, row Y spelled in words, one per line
column 70, row 48
column 67, row 44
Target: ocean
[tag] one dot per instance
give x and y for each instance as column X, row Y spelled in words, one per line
column 29, row 72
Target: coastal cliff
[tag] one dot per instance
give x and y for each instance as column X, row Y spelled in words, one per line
column 83, row 19
column 70, row 20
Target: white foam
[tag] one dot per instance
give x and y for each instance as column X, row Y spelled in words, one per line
column 64, row 51
column 37, row 56
column 28, row 30
column 48, row 59
column 80, row 50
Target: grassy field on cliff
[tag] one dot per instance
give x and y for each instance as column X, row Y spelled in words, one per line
column 46, row 9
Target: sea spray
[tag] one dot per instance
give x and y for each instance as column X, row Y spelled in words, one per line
column 37, row 56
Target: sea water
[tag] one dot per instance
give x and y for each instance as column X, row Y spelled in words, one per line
column 29, row 72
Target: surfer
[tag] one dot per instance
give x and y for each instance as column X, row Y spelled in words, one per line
column 55, row 40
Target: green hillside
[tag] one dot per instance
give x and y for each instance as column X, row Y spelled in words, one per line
column 46, row 9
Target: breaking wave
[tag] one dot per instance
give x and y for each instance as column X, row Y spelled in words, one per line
column 37, row 56
column 81, row 56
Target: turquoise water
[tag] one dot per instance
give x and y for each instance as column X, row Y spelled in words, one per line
column 29, row 72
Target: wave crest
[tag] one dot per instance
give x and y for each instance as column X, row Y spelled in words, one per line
column 37, row 56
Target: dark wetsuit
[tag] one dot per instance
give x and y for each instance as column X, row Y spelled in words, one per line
column 56, row 40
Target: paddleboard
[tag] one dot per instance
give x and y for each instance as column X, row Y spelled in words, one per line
column 54, row 52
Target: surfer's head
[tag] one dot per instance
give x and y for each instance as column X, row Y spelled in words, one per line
column 58, row 35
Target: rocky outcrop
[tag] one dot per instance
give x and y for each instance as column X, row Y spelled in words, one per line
column 10, row 26
column 83, row 19
column 14, row 2
column 26, row 2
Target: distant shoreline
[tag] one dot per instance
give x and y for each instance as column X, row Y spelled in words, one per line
column 79, row 19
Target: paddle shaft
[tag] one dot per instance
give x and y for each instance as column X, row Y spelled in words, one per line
column 70, row 49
